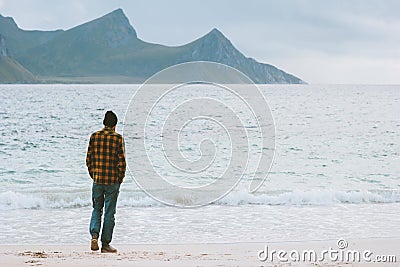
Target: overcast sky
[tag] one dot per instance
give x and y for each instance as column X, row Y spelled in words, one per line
column 341, row 41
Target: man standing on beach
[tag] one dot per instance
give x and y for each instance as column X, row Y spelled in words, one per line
column 105, row 161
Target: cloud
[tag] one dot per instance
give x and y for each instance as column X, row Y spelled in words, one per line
column 320, row 69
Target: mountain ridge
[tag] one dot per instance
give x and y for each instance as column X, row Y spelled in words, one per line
column 109, row 47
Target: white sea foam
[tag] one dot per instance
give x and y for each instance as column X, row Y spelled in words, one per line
column 16, row 200
column 312, row 197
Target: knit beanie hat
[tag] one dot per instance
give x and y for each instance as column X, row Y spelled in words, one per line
column 110, row 119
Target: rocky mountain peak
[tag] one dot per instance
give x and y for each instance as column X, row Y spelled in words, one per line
column 215, row 35
column 8, row 21
column 214, row 46
column 112, row 30
column 118, row 21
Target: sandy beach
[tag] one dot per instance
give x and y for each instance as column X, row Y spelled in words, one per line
column 229, row 254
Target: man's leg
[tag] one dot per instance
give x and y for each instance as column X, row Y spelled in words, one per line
column 98, row 203
column 110, row 201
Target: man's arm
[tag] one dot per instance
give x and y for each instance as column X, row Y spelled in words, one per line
column 89, row 158
column 121, row 161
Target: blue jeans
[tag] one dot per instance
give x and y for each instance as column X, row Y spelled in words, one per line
column 104, row 196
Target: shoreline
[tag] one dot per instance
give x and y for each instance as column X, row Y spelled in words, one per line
column 200, row 254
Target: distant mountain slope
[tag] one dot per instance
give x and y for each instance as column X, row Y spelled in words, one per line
column 109, row 47
column 10, row 70
column 216, row 47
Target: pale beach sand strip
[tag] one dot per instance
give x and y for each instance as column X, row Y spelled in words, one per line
column 221, row 254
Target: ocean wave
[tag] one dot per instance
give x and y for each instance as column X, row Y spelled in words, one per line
column 16, row 200
column 311, row 197
column 38, row 200
column 34, row 200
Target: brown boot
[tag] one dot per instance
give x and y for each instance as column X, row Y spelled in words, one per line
column 94, row 245
column 108, row 249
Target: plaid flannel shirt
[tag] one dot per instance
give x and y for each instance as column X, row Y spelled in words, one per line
column 105, row 158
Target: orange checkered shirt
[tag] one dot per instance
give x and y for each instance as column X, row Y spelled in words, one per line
column 105, row 158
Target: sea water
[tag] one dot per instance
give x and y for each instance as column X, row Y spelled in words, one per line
column 336, row 171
